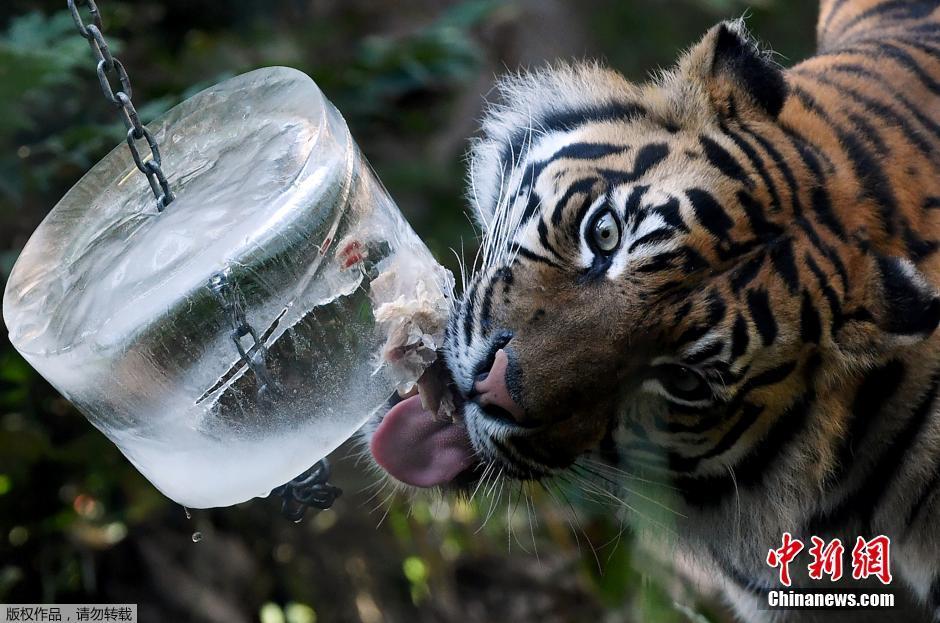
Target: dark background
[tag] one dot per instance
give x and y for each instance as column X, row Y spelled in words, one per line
column 79, row 524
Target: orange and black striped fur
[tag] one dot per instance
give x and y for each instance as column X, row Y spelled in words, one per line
column 726, row 278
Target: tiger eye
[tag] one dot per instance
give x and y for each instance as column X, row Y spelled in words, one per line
column 606, row 232
column 681, row 379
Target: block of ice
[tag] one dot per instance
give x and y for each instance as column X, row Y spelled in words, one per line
column 114, row 303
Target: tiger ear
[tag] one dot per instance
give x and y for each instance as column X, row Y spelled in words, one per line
column 738, row 78
column 899, row 306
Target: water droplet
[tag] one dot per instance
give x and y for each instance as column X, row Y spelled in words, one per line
column 197, row 536
column 188, row 514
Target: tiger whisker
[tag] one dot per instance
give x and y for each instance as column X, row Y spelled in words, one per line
column 388, row 508
column 510, row 514
column 634, row 492
column 530, row 506
column 486, row 472
column 385, row 483
column 615, row 471
column 597, row 559
column 603, row 494
column 494, row 501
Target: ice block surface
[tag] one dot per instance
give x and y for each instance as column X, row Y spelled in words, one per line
column 112, row 301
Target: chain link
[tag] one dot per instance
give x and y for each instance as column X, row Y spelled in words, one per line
column 256, row 355
column 108, row 69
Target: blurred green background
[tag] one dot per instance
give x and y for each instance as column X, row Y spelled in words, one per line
column 79, row 524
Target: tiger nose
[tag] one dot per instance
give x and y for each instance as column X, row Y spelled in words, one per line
column 492, row 391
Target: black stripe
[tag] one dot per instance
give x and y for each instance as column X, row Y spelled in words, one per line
column 739, row 338
column 901, row 56
column 691, row 334
column 661, row 262
column 745, row 273
column 709, row 213
column 781, row 164
column 688, row 464
column 750, row 471
column 918, row 249
column 876, row 389
column 827, row 24
column 657, row 235
column 810, row 323
column 757, row 163
column 906, row 9
column 785, row 429
column 631, row 208
column 835, row 307
column 574, row 227
column 820, row 201
column 511, row 456
column 781, row 257
column 647, row 158
column 722, row 160
column 777, row 374
column 747, row 419
column 875, row 107
column 583, row 186
column 857, row 71
column 468, row 313
column 869, row 132
column 923, row 43
column 758, row 303
column 587, row 151
column 671, row 213
column 828, row 252
column 535, row 257
column 931, row 203
column 749, row 414
column 716, row 308
column 871, row 175
column 533, row 203
column 566, row 121
column 754, row 212
column 682, row 312
column 543, row 239
column 692, row 261
column 867, row 499
column 486, row 307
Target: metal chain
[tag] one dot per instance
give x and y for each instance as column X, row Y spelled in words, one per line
column 311, row 489
column 108, row 67
column 256, row 355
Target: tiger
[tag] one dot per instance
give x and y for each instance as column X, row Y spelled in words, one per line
column 724, row 280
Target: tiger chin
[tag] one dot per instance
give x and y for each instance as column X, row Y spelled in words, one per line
column 724, row 280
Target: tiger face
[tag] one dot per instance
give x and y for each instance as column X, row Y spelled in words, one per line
column 666, row 283
column 652, row 291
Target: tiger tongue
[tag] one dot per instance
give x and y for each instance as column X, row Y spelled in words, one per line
column 418, row 449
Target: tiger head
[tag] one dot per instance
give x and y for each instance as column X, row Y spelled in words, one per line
column 663, row 281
